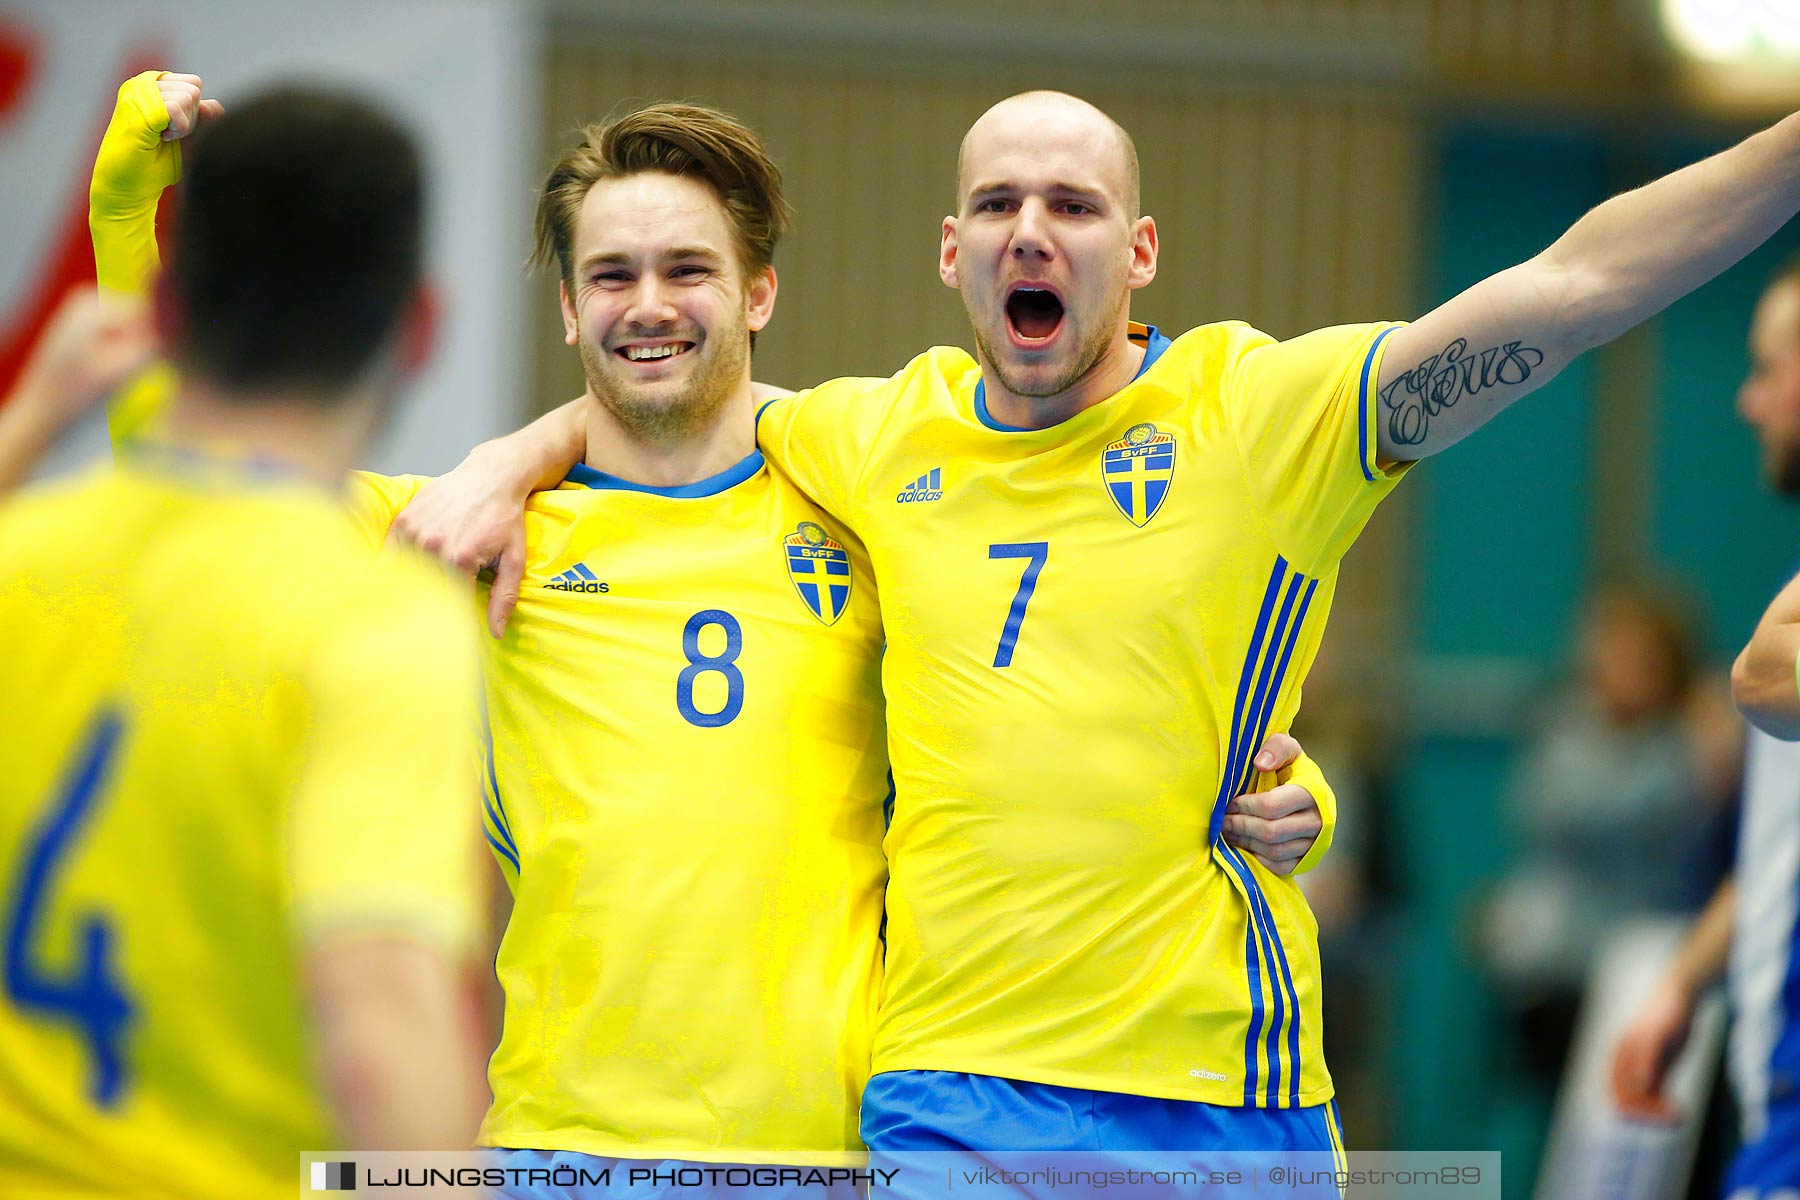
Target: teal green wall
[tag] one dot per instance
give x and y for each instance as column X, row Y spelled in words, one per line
column 1505, row 530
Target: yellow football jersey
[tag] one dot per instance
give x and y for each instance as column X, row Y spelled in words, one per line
column 233, row 731
column 1090, row 629
column 685, row 789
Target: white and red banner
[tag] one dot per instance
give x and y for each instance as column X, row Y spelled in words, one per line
column 462, row 74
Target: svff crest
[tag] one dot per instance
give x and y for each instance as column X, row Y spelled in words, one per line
column 1138, row 470
column 820, row 568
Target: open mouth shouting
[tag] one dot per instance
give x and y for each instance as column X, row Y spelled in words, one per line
column 1034, row 315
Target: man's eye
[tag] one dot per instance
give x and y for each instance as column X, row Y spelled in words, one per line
column 1076, row 209
column 993, row 206
column 687, row 272
column 611, row 278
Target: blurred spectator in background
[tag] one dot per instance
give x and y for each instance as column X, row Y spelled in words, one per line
column 1623, row 803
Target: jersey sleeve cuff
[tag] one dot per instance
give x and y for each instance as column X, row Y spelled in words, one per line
column 1368, row 412
column 1310, row 776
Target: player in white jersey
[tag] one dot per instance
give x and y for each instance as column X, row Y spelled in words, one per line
column 1747, row 934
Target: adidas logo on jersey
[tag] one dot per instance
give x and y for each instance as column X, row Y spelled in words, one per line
column 576, row 579
column 929, row 486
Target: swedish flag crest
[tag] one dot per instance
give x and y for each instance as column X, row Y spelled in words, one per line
column 1138, row 469
column 820, row 568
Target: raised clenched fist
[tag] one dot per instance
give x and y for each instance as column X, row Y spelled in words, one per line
column 181, row 95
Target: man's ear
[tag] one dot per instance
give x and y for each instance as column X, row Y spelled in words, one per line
column 571, row 326
column 1143, row 253
column 947, row 254
column 759, row 300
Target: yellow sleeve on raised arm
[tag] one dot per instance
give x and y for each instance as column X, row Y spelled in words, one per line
column 131, row 170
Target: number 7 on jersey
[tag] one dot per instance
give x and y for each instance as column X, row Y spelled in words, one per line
column 1037, row 553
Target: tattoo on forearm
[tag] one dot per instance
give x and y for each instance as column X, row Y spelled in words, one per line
column 1446, row 377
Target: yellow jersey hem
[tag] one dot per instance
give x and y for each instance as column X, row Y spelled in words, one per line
column 1227, row 1095
column 586, row 1141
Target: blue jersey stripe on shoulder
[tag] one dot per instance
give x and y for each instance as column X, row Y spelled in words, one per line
column 1362, row 406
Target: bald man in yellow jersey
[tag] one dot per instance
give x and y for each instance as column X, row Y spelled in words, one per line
column 1153, row 526
column 240, row 874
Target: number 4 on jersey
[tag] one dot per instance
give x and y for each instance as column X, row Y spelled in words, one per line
column 88, row 996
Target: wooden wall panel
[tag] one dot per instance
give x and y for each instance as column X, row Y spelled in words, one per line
column 1287, row 211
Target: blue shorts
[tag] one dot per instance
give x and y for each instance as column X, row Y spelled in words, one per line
column 907, row 1114
column 1769, row 1167
column 567, row 1175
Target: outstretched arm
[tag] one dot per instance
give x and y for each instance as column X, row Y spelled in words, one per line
column 473, row 516
column 1453, row 370
column 1763, row 680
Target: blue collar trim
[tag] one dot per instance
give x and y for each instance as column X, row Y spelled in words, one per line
column 190, row 460
column 1154, row 345
column 729, row 478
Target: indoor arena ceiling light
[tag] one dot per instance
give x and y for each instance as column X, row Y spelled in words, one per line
column 1734, row 30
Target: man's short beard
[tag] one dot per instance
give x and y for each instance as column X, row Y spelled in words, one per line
column 696, row 406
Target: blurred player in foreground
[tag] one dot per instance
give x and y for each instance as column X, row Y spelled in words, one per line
column 1154, row 528
column 1749, row 933
column 240, row 877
